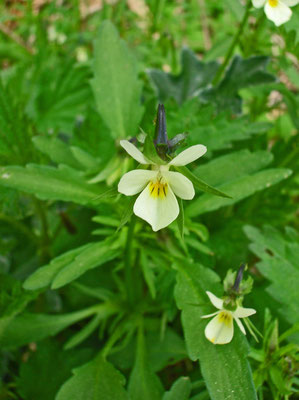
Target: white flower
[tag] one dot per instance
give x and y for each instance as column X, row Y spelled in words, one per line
column 277, row 11
column 157, row 203
column 221, row 329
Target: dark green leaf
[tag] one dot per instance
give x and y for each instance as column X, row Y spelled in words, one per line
column 194, row 75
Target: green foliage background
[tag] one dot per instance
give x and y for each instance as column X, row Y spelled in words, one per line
column 75, row 78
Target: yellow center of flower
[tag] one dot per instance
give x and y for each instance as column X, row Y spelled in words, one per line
column 158, row 189
column 273, row 3
column 225, row 317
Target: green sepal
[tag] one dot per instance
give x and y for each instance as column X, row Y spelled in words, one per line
column 150, row 151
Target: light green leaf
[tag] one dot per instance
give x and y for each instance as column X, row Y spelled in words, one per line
column 238, row 189
column 144, row 383
column 69, row 266
column 115, row 84
column 223, row 169
column 225, row 368
column 45, row 275
column 92, row 257
column 56, row 149
column 28, row 328
column 148, row 273
column 84, row 158
column 97, row 379
column 180, row 390
column 80, row 336
column 199, row 184
column 50, row 183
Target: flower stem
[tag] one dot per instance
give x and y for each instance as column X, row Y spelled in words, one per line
column 128, row 261
column 233, row 45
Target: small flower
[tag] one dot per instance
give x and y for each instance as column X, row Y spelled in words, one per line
column 277, row 11
column 157, row 203
column 221, row 329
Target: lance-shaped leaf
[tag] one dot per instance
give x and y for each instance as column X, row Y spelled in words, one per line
column 115, row 84
column 225, row 368
column 199, row 184
column 48, row 183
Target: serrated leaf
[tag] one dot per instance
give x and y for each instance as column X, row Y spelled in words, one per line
column 278, row 259
column 48, row 183
column 241, row 73
column 96, row 380
column 115, row 84
column 194, row 75
column 225, row 368
column 239, row 190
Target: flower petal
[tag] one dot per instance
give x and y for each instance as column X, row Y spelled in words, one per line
column 242, row 312
column 258, row 3
column 181, row 186
column 158, row 212
column 219, row 332
column 240, row 325
column 218, row 303
column 134, row 152
column 290, row 3
column 279, row 14
column 189, row 155
column 210, row 315
column 134, row 181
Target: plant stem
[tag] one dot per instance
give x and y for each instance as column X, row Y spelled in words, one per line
column 233, row 45
column 45, row 239
column 128, row 261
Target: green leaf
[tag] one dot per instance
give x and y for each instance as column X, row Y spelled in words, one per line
column 69, row 266
column 60, row 95
column 84, row 333
column 223, row 169
column 84, row 158
column 45, row 275
column 239, row 190
column 115, row 84
column 278, row 262
column 180, row 390
column 56, row 149
column 148, row 273
column 225, row 369
column 199, row 184
column 181, row 219
column 48, row 183
column 194, row 75
column 28, row 328
column 144, row 383
column 43, row 362
column 242, row 73
column 96, row 380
